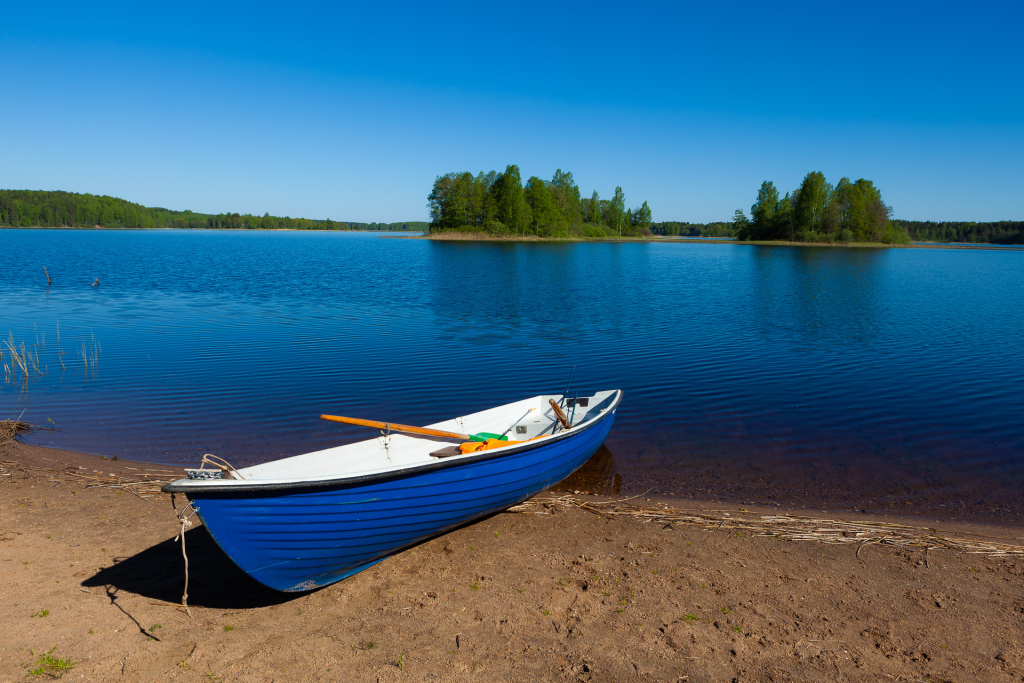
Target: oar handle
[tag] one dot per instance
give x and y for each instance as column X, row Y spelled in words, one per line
column 558, row 413
column 425, row 431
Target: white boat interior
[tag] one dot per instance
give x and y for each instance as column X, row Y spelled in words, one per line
column 521, row 421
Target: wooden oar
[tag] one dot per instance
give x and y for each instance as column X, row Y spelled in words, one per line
column 422, row 431
column 558, row 412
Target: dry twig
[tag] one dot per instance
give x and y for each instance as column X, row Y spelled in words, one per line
column 144, row 489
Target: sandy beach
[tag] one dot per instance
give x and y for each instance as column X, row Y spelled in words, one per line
column 92, row 582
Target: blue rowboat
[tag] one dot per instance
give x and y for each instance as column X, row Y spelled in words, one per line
column 307, row 521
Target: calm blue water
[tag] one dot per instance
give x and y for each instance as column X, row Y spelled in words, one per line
column 834, row 378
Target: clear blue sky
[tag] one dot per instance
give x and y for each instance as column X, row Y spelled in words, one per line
column 349, row 112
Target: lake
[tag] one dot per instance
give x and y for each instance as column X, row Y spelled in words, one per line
column 866, row 379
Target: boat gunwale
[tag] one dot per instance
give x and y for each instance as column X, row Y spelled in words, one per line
column 253, row 486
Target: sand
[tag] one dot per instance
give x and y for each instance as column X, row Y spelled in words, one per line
column 94, row 578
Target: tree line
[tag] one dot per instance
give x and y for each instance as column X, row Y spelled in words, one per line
column 997, row 232
column 817, row 211
column 500, row 204
column 681, row 229
column 30, row 208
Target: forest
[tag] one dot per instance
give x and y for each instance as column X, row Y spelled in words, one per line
column 29, row 208
column 500, row 204
column 997, row 232
column 678, row 229
column 817, row 211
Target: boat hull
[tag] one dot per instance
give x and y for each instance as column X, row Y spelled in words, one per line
column 306, row 537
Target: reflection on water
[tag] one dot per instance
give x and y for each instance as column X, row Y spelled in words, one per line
column 598, row 476
column 795, row 294
column 862, row 378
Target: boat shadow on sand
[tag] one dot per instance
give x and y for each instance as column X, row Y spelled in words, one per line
column 158, row 572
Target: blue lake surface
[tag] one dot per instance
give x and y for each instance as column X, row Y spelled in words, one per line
column 877, row 379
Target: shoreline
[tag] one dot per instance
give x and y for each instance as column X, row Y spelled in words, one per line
column 987, row 246
column 700, row 240
column 592, row 480
column 37, row 455
column 240, row 230
column 580, row 482
column 548, row 591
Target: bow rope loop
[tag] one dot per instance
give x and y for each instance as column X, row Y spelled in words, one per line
column 223, row 465
column 186, row 523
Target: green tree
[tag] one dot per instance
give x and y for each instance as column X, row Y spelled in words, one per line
column 594, row 209
column 449, row 200
column 810, row 202
column 566, row 196
column 762, row 214
column 487, row 216
column 876, row 213
column 546, row 217
column 642, row 218
column 739, row 220
column 782, row 222
column 509, row 202
column 841, row 198
column 617, row 211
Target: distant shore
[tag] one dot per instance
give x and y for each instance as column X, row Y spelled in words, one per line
column 239, row 230
column 484, row 237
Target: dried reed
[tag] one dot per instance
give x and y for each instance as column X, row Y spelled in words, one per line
column 91, row 354
column 148, row 485
column 24, row 363
column 786, row 527
column 10, row 430
column 456, row 236
column 21, row 361
column 60, row 351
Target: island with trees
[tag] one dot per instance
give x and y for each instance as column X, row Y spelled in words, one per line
column 500, row 205
column 853, row 212
column 30, row 208
column 817, row 211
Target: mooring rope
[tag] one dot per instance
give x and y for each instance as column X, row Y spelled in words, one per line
column 186, row 519
column 224, row 465
column 186, row 523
